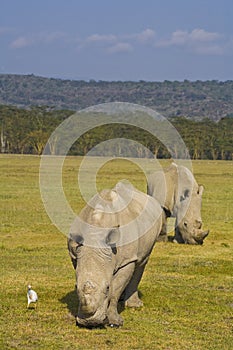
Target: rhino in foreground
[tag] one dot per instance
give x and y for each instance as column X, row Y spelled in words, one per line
column 109, row 244
column 180, row 196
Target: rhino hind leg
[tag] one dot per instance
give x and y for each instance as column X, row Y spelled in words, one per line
column 134, row 301
column 120, row 281
column 131, row 297
column 163, row 237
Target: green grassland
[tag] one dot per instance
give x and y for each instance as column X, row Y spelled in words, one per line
column 187, row 290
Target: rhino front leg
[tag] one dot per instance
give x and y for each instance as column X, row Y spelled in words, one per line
column 120, row 281
column 131, row 297
column 163, row 234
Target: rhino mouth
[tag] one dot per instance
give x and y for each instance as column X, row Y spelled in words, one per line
column 199, row 238
column 196, row 238
column 87, row 323
column 99, row 319
column 199, row 241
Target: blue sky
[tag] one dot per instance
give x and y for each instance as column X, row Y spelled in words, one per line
column 151, row 40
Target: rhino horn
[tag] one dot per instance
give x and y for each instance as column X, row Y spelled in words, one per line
column 199, row 238
column 205, row 234
column 88, row 287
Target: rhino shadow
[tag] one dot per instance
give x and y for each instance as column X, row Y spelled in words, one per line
column 71, row 301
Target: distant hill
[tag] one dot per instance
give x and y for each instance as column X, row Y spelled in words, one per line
column 194, row 100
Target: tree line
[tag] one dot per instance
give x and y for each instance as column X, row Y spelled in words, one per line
column 26, row 131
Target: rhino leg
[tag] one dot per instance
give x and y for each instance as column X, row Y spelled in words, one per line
column 163, row 233
column 131, row 297
column 120, row 281
column 178, row 238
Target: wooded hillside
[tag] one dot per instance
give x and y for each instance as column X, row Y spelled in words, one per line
column 194, row 100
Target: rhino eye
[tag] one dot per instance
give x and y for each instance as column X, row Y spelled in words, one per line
column 107, row 290
column 185, row 224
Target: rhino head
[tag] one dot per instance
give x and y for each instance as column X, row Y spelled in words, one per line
column 94, row 266
column 180, row 196
column 188, row 216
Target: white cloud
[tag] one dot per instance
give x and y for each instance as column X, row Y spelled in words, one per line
column 39, row 38
column 21, row 42
column 120, row 43
column 180, row 37
column 198, row 41
column 120, row 47
column 203, row 36
column 146, row 35
column 142, row 37
column 51, row 37
column 101, row 38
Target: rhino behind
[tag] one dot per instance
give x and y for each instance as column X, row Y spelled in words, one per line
column 181, row 197
column 109, row 244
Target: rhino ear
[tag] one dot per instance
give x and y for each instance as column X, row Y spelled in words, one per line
column 74, row 243
column 200, row 190
column 72, row 247
column 113, row 236
column 184, row 195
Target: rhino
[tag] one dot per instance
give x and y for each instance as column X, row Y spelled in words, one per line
column 109, row 243
column 180, row 196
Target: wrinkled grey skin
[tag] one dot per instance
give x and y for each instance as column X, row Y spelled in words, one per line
column 109, row 245
column 180, row 196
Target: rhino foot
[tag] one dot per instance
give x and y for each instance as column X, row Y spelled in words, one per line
column 133, row 302
column 162, row 237
column 115, row 320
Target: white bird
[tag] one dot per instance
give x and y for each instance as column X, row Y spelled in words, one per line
column 32, row 296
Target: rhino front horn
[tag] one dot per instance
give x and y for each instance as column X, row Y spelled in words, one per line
column 205, row 234
column 199, row 238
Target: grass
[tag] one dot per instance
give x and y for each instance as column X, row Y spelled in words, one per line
column 187, row 290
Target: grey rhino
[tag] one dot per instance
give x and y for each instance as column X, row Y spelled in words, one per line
column 109, row 244
column 180, row 196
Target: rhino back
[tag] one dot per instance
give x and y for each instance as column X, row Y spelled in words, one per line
column 170, row 185
column 137, row 216
column 161, row 185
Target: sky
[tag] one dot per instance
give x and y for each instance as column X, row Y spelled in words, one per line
column 121, row 40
